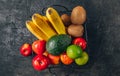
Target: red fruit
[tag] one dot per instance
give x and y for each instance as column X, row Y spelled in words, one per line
column 38, row 46
column 80, row 42
column 26, row 49
column 65, row 59
column 40, row 62
column 54, row 59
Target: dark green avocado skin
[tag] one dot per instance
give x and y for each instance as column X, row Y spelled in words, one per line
column 57, row 44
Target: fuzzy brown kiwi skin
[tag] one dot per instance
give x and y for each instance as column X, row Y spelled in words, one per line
column 75, row 30
column 66, row 19
column 78, row 15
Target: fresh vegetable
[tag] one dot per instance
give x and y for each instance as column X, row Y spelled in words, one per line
column 55, row 20
column 74, row 51
column 83, row 59
column 35, row 30
column 26, row 49
column 75, row 30
column 57, row 44
column 80, row 42
column 78, row 15
column 54, row 59
column 43, row 25
column 38, row 46
column 66, row 19
column 65, row 59
column 40, row 63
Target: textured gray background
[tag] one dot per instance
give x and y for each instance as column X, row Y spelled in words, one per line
column 103, row 28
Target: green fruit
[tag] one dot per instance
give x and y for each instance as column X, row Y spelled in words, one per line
column 74, row 51
column 57, row 44
column 83, row 59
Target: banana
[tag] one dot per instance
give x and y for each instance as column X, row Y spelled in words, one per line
column 42, row 24
column 35, row 30
column 55, row 20
column 45, row 18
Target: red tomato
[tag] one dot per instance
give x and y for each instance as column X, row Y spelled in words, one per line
column 80, row 42
column 38, row 46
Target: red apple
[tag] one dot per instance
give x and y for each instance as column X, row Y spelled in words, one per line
column 40, row 62
column 80, row 42
column 26, row 49
column 38, row 46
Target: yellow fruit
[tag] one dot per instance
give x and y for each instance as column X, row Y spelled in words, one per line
column 45, row 18
column 43, row 25
column 55, row 20
column 36, row 31
column 48, row 22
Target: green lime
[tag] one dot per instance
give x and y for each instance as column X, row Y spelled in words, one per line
column 74, row 51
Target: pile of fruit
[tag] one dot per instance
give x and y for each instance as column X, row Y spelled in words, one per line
column 60, row 38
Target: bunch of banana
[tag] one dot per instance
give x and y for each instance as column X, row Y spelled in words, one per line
column 43, row 27
column 35, row 30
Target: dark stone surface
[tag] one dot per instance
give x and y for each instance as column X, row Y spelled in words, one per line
column 103, row 27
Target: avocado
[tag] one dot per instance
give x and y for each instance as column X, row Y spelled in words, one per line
column 57, row 44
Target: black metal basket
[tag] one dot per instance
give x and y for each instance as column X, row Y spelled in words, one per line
column 72, row 68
